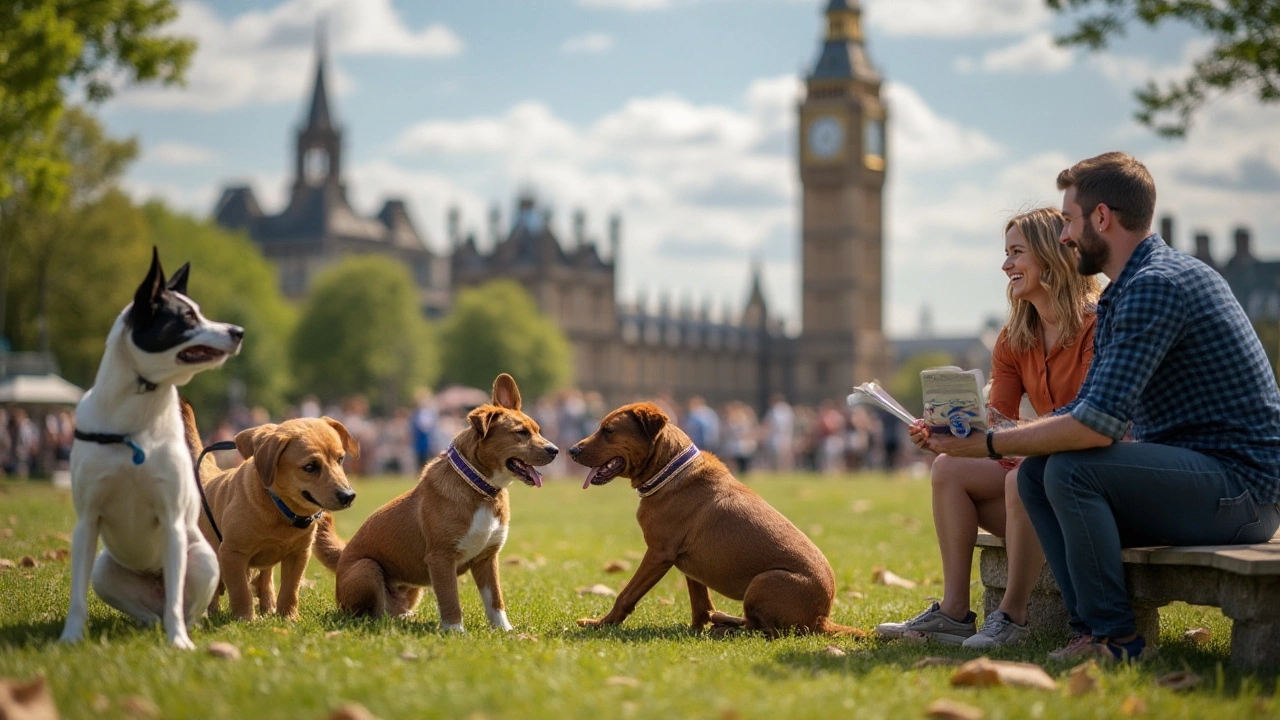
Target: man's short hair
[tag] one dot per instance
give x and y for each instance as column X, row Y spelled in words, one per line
column 1117, row 180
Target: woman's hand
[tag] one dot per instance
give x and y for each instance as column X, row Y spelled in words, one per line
column 919, row 433
column 974, row 446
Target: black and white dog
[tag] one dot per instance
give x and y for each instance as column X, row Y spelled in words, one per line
column 132, row 479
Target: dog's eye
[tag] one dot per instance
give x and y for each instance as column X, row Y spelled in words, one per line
column 311, row 467
column 189, row 315
column 524, row 432
column 606, row 431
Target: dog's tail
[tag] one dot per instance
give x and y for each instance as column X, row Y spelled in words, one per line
column 826, row 627
column 208, row 467
column 327, row 547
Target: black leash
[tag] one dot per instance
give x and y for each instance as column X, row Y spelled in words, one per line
column 208, row 512
column 111, row 439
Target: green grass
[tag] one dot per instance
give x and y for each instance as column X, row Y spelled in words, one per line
column 402, row 668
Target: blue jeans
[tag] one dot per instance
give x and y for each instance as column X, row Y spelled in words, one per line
column 1088, row 504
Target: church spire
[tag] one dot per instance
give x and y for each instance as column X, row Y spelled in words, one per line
column 318, row 117
column 843, row 55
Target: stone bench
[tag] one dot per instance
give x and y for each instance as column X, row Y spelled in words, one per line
column 1243, row 580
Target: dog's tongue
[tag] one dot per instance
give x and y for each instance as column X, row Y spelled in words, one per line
column 537, row 476
column 591, row 476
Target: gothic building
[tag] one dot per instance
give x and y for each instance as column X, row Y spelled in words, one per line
column 628, row 352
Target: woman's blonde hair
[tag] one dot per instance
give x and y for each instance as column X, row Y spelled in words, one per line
column 1074, row 296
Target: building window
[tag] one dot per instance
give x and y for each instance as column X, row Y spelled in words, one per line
column 315, row 166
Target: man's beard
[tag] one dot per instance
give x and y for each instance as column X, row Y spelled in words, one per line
column 1092, row 252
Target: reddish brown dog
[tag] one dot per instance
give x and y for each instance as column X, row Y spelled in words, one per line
column 298, row 462
column 447, row 524
column 711, row 527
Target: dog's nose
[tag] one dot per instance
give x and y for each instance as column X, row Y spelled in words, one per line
column 346, row 497
column 575, row 451
column 552, row 450
column 236, row 332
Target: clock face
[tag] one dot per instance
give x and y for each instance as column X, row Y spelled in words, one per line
column 826, row 137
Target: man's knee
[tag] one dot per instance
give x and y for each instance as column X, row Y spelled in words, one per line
column 1065, row 474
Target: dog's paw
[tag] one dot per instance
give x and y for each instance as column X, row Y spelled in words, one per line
column 452, row 628
column 182, row 642
column 70, row 635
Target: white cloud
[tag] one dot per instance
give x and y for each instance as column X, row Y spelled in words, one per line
column 632, row 5
column 920, row 139
column 178, row 153
column 266, row 56
column 1036, row 53
column 956, row 18
column 590, row 44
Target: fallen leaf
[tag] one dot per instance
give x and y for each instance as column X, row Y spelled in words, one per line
column 1181, row 680
column 139, row 707
column 332, row 634
column 1082, row 678
column 527, row 636
column 408, row 656
column 515, row 560
column 280, row 631
column 623, row 681
column 915, row 637
column 6, row 532
column 224, row 650
column 307, row 583
column 666, row 601
column 985, row 672
column 597, row 589
column 884, row 576
column 6, row 563
column 58, row 554
column 13, row 520
column 945, row 709
column 27, row 700
column 1199, row 636
column 28, row 562
column 856, row 595
column 58, row 536
column 616, row 566
column 352, row 711
column 935, row 662
column 1133, row 705
column 833, row 651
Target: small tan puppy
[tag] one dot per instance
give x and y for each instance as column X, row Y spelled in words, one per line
column 266, row 508
column 454, row 520
column 696, row 517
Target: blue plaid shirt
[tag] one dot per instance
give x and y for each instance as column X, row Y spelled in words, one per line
column 1175, row 354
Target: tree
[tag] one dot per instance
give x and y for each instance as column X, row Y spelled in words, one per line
column 362, row 332
column 51, row 47
column 905, row 384
column 497, row 328
column 1245, row 53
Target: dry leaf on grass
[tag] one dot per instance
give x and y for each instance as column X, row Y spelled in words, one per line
column 945, row 709
column 136, row 706
column 6, row 563
column 1082, row 678
column 527, row 636
column 914, row 637
column 280, row 631
column 1181, row 680
column 666, row 601
column 884, row 576
column 352, row 711
column 516, row 560
column 408, row 656
column 13, row 520
column 58, row 536
column 1133, row 705
column 856, row 595
column 935, row 662
column 985, row 672
column 28, row 562
column 6, row 532
column 332, row 634
column 623, row 681
column 59, row 554
column 27, row 699
column 1199, row 636
column 597, row 589
column 616, row 566
column 833, row 651
column 224, row 650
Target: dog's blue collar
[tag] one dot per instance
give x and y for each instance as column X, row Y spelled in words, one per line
column 672, row 469
column 470, row 474
column 302, row 522
column 139, row 457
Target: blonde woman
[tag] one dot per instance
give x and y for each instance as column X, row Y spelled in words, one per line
column 1044, row 351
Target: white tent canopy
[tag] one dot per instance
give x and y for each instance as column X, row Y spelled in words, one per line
column 39, row 390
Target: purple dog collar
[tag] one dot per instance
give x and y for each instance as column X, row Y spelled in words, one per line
column 672, row 469
column 470, row 474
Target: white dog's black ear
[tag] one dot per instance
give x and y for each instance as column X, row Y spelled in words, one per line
column 144, row 299
column 178, row 283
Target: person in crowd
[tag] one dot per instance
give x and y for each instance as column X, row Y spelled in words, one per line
column 702, row 425
column 423, row 422
column 1180, row 369
column 779, row 434
column 739, row 439
column 1043, row 351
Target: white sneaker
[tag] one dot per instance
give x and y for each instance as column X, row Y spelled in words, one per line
column 997, row 631
column 933, row 624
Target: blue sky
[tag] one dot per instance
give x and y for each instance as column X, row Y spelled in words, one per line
column 680, row 116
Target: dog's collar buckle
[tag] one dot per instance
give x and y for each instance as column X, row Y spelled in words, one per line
column 139, row 456
column 672, row 469
column 470, row 474
column 302, row 522
column 145, row 385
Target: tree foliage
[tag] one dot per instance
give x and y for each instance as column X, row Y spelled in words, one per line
column 362, row 332
column 1245, row 54
column 49, row 48
column 905, row 385
column 496, row 328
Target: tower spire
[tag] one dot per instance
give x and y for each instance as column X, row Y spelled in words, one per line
column 843, row 55
column 318, row 117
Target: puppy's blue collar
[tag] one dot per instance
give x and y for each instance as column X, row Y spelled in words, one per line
column 139, row 457
column 672, row 469
column 302, row 522
column 470, row 474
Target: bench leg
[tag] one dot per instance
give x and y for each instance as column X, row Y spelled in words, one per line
column 1255, row 644
column 1147, row 619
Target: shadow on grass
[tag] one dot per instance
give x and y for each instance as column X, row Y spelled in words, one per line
column 44, row 634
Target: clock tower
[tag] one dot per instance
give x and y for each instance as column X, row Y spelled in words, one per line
column 842, row 170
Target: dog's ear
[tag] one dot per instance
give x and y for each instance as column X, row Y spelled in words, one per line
column 481, row 419
column 178, row 283
column 650, row 417
column 505, row 392
column 144, row 298
column 349, row 443
column 264, row 445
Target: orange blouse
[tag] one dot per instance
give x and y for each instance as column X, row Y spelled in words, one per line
column 1049, row 382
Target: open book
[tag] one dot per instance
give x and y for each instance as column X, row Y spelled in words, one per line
column 953, row 401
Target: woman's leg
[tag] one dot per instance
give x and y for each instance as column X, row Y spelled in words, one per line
column 1023, row 549
column 967, row 493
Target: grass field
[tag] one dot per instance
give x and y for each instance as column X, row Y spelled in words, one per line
column 561, row 538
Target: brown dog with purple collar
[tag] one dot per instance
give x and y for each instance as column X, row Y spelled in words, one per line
column 697, row 517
